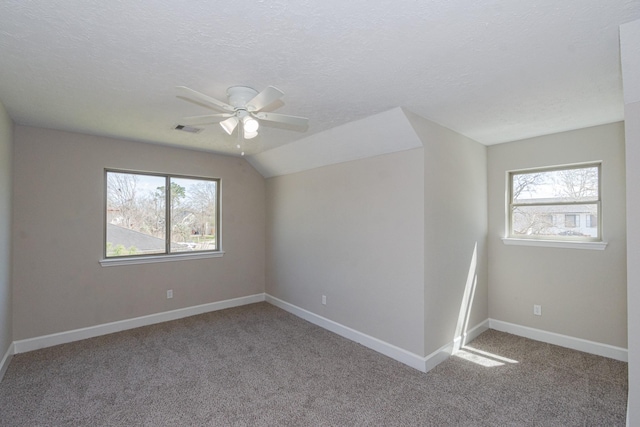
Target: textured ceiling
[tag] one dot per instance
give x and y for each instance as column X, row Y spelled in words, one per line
column 494, row 71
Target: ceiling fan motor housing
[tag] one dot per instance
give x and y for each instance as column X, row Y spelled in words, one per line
column 239, row 96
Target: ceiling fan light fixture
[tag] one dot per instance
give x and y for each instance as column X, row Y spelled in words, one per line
column 243, row 110
column 229, row 125
column 250, row 125
column 249, row 135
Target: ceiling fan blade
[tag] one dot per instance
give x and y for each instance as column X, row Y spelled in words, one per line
column 283, row 118
column 207, row 118
column 190, row 93
column 264, row 98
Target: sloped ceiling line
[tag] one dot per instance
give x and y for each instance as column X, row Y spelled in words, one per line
column 382, row 133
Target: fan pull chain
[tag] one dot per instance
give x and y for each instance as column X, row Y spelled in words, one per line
column 239, row 146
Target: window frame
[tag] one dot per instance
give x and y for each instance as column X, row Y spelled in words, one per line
column 167, row 255
column 565, row 241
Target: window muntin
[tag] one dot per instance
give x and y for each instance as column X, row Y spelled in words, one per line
column 153, row 214
column 559, row 203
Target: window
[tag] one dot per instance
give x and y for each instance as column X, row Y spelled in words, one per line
column 152, row 214
column 568, row 194
column 571, row 221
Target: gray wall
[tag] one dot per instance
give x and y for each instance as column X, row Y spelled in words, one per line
column 632, row 125
column 391, row 240
column 398, row 243
column 582, row 292
column 630, row 55
column 455, row 222
column 353, row 232
column 6, row 142
column 58, row 284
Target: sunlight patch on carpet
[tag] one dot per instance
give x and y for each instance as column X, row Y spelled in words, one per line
column 483, row 358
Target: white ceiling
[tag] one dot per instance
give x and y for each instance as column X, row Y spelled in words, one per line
column 492, row 70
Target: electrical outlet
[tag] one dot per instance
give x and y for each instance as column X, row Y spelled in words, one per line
column 537, row 310
column 169, row 293
column 324, row 300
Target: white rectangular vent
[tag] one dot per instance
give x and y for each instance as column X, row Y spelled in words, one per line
column 189, row 129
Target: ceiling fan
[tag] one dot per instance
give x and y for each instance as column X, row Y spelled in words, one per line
column 244, row 109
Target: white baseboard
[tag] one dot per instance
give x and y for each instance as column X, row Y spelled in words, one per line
column 36, row 343
column 390, row 350
column 4, row 364
column 411, row 359
column 424, row 364
column 579, row 344
column 473, row 333
column 440, row 355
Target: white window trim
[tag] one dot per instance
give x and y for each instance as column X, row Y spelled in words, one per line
column 170, row 256
column 111, row 262
column 566, row 244
column 599, row 244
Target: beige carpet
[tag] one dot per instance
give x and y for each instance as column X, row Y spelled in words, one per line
column 258, row 365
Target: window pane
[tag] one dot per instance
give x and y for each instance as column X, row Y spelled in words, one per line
column 135, row 214
column 568, row 185
column 558, row 220
column 193, row 215
column 571, row 220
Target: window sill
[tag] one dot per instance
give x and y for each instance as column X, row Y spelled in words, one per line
column 111, row 262
column 596, row 246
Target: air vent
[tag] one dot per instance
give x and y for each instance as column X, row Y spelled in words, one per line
column 189, row 129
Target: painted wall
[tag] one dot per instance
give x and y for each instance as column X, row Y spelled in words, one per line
column 630, row 56
column 396, row 242
column 455, row 222
column 58, row 284
column 632, row 125
column 353, row 232
column 6, row 142
column 582, row 292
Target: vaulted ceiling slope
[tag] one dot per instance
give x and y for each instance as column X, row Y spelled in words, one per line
column 382, row 133
column 491, row 70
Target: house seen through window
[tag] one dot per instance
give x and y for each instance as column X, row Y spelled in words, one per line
column 151, row 214
column 559, row 203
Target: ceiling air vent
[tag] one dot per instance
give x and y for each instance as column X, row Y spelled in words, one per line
column 189, row 129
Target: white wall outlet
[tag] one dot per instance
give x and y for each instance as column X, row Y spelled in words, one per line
column 324, row 300
column 169, row 293
column 537, row 310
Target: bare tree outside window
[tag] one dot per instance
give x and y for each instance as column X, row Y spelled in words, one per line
column 121, row 196
column 577, row 184
column 570, row 195
column 526, row 183
column 139, row 223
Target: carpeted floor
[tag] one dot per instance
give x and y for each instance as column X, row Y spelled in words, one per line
column 258, row 365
